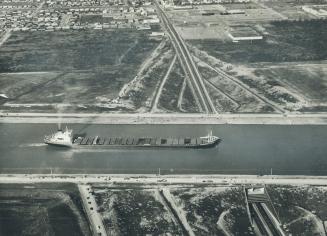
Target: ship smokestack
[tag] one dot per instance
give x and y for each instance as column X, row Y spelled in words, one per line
column 59, row 126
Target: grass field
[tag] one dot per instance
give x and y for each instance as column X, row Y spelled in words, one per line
column 80, row 70
column 74, row 50
column 204, row 208
column 189, row 103
column 309, row 81
column 39, row 209
column 301, row 209
column 134, row 212
column 286, row 67
column 172, row 88
column 229, row 96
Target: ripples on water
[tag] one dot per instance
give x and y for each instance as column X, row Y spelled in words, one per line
column 26, row 145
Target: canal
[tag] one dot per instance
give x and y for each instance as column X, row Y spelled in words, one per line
column 245, row 149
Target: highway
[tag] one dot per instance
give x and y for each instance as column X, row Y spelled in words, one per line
column 198, row 87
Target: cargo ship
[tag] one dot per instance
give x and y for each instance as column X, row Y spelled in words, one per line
column 65, row 138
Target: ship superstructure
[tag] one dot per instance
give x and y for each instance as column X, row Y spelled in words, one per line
column 60, row 138
column 65, row 138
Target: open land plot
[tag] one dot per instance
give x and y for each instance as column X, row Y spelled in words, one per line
column 292, row 9
column 306, row 81
column 214, row 211
column 189, row 103
column 134, row 211
column 78, row 90
column 80, row 70
column 283, row 41
column 212, row 205
column 253, row 12
column 74, row 50
column 286, row 67
column 176, row 95
column 229, row 96
column 141, row 91
column 310, row 80
column 241, row 5
column 301, row 210
column 42, row 209
column 171, row 91
column 202, row 32
column 253, row 15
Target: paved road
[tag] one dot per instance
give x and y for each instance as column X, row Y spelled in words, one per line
column 167, row 179
column 91, row 207
column 189, row 66
column 164, row 118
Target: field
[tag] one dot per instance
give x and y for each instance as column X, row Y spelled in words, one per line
column 91, row 71
column 286, row 67
column 292, row 9
column 176, row 95
column 208, row 210
column 133, row 211
column 227, row 95
column 142, row 89
column 42, row 209
column 302, row 210
column 129, row 71
column 284, row 41
column 189, row 103
column 253, row 12
column 307, row 81
column 74, row 50
column 169, row 98
column 155, row 209
column 79, row 70
column 214, row 211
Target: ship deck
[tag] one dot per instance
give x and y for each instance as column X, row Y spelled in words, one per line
column 140, row 142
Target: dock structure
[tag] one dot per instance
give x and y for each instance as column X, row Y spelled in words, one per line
column 262, row 214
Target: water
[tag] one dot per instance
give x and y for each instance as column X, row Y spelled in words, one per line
column 245, row 149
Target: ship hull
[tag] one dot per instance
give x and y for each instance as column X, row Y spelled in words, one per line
column 146, row 146
column 59, row 144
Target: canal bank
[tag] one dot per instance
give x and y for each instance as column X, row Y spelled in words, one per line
column 169, row 118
